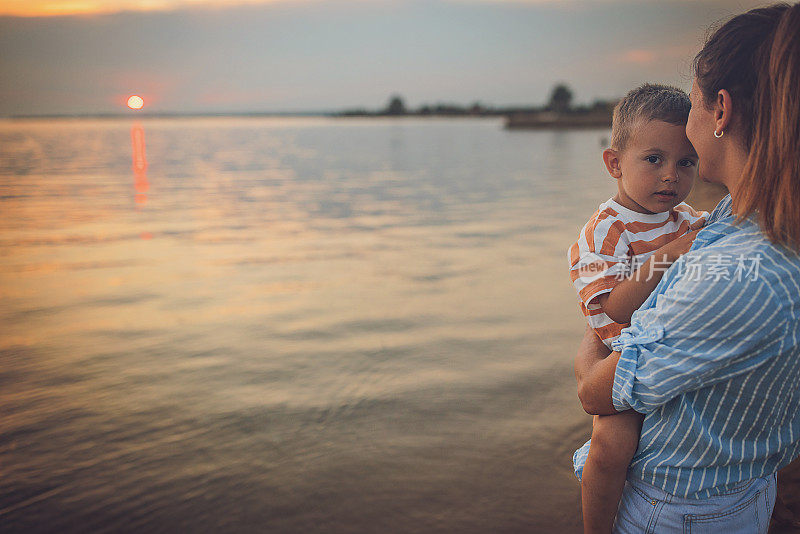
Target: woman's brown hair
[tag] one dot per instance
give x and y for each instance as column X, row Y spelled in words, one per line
column 756, row 57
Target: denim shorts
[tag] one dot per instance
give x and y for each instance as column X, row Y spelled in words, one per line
column 744, row 509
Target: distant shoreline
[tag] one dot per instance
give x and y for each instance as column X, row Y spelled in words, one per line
column 139, row 115
column 559, row 112
column 244, row 115
column 512, row 121
column 546, row 120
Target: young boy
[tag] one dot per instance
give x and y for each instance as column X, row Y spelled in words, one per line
column 620, row 256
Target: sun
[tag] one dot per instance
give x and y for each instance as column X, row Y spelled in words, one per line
column 135, row 102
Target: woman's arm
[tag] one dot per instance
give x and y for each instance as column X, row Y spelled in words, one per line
column 594, row 370
column 700, row 331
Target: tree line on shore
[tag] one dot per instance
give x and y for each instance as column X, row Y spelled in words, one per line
column 560, row 102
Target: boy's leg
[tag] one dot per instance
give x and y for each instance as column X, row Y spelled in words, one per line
column 614, row 442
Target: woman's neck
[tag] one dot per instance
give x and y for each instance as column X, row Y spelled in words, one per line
column 733, row 168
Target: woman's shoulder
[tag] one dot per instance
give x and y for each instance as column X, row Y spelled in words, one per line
column 726, row 234
column 739, row 252
column 736, row 238
column 723, row 209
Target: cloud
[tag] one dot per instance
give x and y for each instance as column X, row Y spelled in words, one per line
column 639, row 57
column 650, row 56
column 52, row 8
column 568, row 4
column 334, row 54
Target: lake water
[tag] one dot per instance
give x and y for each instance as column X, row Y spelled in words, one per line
column 290, row 325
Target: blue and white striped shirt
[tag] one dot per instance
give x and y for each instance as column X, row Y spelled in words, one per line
column 712, row 359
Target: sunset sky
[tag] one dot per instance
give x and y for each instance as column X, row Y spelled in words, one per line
column 86, row 56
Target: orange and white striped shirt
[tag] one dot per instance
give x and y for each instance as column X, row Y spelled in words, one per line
column 614, row 243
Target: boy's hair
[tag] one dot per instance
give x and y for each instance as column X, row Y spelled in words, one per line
column 648, row 102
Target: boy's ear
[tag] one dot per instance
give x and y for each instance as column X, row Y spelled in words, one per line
column 611, row 159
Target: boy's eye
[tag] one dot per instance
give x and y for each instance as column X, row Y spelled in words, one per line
column 653, row 159
column 686, row 163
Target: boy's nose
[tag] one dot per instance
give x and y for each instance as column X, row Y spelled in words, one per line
column 670, row 177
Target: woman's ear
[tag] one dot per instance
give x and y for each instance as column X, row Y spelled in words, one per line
column 611, row 159
column 723, row 111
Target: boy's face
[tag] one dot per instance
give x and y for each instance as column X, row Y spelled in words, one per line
column 656, row 170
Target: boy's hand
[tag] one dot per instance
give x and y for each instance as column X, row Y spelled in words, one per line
column 677, row 247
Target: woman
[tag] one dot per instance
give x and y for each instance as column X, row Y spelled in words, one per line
column 712, row 358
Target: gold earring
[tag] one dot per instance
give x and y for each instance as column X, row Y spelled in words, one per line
column 721, row 133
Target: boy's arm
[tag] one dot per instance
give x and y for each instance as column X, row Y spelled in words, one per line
column 626, row 297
